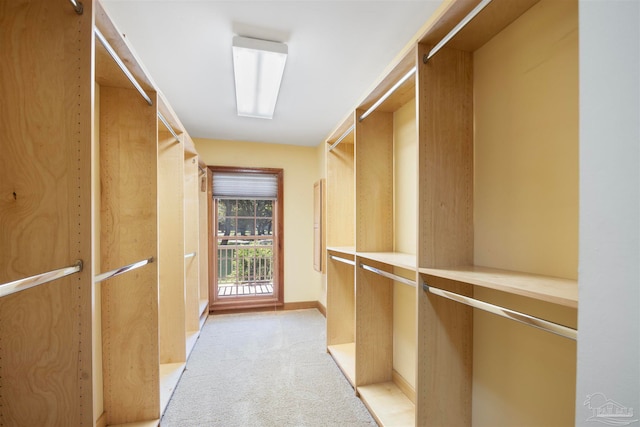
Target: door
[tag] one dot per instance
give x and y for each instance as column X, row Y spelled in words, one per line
column 246, row 238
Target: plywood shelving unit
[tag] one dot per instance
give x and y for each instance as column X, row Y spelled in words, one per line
column 129, row 212
column 496, row 226
column 45, row 182
column 172, row 290
column 340, row 242
column 385, row 232
column 95, row 176
column 496, row 200
column 368, row 187
column 173, row 327
column 341, row 310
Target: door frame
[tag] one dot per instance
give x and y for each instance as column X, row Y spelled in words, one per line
column 248, row 302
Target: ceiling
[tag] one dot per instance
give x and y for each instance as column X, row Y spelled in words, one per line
column 337, row 50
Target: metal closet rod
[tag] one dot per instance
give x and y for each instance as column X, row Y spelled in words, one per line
column 456, row 29
column 121, row 64
column 340, row 259
column 192, row 254
column 388, row 275
column 77, row 6
column 344, row 135
column 387, row 94
column 121, row 270
column 166, row 123
column 39, row 279
column 526, row 319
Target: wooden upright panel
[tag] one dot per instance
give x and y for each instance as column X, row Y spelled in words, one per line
column 445, row 131
column 45, row 212
column 172, row 249
column 340, row 302
column 374, row 182
column 129, row 216
column 318, row 230
column 445, row 212
column 340, row 194
column 191, row 243
column 203, row 241
column 374, row 326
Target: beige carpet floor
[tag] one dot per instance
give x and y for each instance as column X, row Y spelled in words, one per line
column 263, row 370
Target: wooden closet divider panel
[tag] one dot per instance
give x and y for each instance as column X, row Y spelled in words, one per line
column 191, row 243
column 340, row 301
column 445, row 330
column 340, row 194
column 374, row 327
column 340, row 242
column 203, row 251
column 45, row 214
column 129, row 216
column 374, row 182
column 171, row 240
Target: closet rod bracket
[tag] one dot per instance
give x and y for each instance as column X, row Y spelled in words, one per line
column 77, row 6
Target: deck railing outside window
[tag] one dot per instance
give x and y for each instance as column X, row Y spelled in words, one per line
column 244, row 264
column 245, row 246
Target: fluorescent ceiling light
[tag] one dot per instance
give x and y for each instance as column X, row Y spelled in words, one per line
column 258, row 66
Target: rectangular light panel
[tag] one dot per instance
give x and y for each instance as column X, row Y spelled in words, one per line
column 258, row 66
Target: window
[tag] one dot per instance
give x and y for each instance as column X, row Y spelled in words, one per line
column 246, row 237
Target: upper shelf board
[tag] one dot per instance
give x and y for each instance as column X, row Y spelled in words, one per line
column 345, row 250
column 545, row 288
column 403, row 94
column 496, row 16
column 396, row 259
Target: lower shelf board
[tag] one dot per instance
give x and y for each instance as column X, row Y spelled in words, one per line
column 192, row 337
column 388, row 404
column 204, row 312
column 345, row 357
column 152, row 423
column 204, row 306
column 170, row 374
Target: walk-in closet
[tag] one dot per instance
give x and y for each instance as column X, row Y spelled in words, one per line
column 451, row 223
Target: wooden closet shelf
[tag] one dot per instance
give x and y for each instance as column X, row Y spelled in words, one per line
column 345, row 357
column 340, row 131
column 204, row 304
column 170, row 374
column 396, row 259
column 388, row 404
column 403, row 94
column 152, row 423
column 192, row 337
column 345, row 250
column 545, row 288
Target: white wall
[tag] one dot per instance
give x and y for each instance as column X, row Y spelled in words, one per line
column 609, row 267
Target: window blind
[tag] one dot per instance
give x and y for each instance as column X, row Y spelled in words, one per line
column 244, row 186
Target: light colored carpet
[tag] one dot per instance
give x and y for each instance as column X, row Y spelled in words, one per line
column 264, row 369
